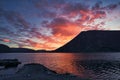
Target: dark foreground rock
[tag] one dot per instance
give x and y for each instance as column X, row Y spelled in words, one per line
column 7, row 63
column 93, row 41
column 38, row 72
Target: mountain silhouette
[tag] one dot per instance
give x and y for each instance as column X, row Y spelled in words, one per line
column 21, row 50
column 6, row 49
column 93, row 41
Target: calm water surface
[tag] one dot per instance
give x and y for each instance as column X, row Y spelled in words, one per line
column 97, row 66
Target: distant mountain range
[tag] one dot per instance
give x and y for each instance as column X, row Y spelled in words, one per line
column 86, row 41
column 6, row 49
column 93, row 41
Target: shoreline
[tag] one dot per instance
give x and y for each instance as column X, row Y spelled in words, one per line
column 37, row 71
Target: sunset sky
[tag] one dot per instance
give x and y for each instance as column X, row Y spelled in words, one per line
column 49, row 24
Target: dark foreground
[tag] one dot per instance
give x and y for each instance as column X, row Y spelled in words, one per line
column 38, row 72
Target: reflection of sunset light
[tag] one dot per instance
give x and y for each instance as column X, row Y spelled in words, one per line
column 60, row 62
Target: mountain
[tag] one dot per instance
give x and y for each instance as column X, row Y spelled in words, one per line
column 93, row 41
column 6, row 49
column 22, row 50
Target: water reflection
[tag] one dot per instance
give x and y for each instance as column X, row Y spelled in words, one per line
column 94, row 66
column 60, row 62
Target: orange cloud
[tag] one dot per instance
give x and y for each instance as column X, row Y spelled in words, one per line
column 65, row 27
column 64, row 30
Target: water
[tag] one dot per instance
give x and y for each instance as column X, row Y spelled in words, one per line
column 96, row 66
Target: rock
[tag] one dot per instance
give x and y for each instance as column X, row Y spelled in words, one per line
column 34, row 69
column 7, row 63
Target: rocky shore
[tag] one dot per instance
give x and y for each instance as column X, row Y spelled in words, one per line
column 38, row 72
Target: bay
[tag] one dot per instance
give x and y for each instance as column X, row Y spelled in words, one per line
column 97, row 66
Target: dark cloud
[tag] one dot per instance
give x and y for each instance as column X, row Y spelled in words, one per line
column 5, row 31
column 112, row 6
column 15, row 18
column 35, row 32
column 97, row 5
column 59, row 22
column 74, row 8
column 18, row 26
column 17, row 22
column 100, row 14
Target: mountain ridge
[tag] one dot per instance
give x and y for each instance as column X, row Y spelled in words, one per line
column 6, row 49
column 93, row 41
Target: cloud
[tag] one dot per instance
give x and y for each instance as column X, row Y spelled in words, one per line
column 73, row 19
column 63, row 27
column 75, row 8
column 15, row 18
column 17, row 25
column 112, row 6
column 37, row 45
column 46, row 9
column 5, row 40
column 52, row 22
column 99, row 6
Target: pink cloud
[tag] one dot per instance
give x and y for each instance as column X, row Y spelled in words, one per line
column 6, row 40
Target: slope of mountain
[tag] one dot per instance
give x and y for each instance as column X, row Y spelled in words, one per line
column 93, row 41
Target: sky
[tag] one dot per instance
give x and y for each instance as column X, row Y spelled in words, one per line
column 50, row 24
